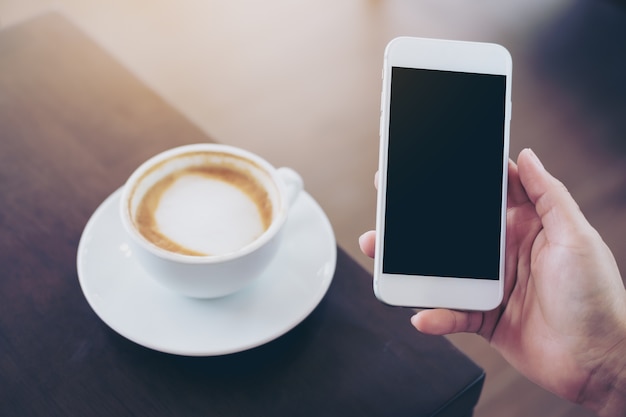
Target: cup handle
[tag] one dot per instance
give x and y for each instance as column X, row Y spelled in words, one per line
column 293, row 183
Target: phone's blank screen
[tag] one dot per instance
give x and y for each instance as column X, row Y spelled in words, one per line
column 444, row 174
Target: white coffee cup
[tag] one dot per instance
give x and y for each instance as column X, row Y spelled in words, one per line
column 205, row 220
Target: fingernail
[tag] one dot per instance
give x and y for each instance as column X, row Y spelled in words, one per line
column 534, row 156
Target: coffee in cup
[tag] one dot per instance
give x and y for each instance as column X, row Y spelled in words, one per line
column 212, row 207
column 205, row 219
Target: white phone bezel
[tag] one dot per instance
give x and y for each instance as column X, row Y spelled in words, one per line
column 429, row 291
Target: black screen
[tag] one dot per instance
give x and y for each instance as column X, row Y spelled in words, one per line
column 444, row 176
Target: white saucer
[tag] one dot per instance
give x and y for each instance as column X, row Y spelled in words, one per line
column 125, row 297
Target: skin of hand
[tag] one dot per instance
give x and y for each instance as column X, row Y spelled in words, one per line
column 562, row 322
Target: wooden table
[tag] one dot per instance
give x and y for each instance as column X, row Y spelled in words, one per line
column 73, row 125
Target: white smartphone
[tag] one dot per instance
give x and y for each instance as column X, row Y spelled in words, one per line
column 442, row 185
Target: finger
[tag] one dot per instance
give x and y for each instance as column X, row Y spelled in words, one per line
column 559, row 213
column 367, row 243
column 443, row 321
column 376, row 180
column 516, row 195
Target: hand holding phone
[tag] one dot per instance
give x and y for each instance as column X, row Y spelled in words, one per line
column 441, row 211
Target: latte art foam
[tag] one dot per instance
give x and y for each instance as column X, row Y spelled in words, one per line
column 204, row 211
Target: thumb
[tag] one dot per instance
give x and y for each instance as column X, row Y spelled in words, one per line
column 560, row 215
